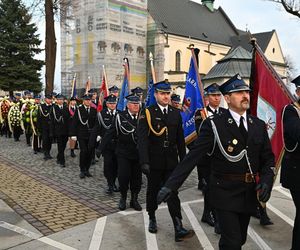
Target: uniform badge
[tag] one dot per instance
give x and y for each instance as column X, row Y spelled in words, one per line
column 230, row 121
column 158, row 126
column 234, row 141
column 230, row 149
column 141, row 117
column 250, row 120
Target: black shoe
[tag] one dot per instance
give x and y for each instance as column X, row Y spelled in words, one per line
column 265, row 221
column 217, row 228
column 152, row 228
column 208, row 218
column 62, row 165
column 35, row 152
column 58, row 162
column 115, row 188
column 180, row 232
column 109, row 190
column 81, row 175
column 134, row 203
column 122, row 204
column 88, row 174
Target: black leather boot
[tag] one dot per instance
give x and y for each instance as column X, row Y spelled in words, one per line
column 109, row 189
column 122, row 202
column 152, row 228
column 134, row 202
column 180, row 232
column 208, row 218
column 264, row 218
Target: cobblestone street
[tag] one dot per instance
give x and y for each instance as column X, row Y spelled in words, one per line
column 52, row 198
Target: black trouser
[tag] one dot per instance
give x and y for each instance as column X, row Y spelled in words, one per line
column 296, row 230
column 28, row 136
column 156, row 180
column 17, row 131
column 46, row 141
column 85, row 155
column 61, row 146
column 110, row 166
column 129, row 174
column 36, row 142
column 233, row 227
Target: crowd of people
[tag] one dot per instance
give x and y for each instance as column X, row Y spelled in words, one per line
column 231, row 151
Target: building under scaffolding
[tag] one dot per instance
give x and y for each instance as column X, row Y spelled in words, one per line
column 103, row 32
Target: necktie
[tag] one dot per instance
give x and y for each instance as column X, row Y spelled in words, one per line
column 88, row 110
column 215, row 112
column 243, row 129
column 134, row 117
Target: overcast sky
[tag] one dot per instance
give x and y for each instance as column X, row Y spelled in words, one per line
column 263, row 15
column 255, row 15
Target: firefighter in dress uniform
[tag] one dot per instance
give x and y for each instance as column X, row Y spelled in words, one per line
column 161, row 143
column 240, row 150
column 82, row 124
column 102, row 125
column 60, row 117
column 290, row 166
column 129, row 171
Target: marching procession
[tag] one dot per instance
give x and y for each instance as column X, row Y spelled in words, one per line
column 232, row 152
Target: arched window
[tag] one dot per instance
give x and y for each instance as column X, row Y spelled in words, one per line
column 177, row 60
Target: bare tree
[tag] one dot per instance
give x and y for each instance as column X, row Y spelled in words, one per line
column 290, row 6
column 49, row 9
column 291, row 69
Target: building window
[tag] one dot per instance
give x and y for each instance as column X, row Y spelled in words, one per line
column 273, row 50
column 177, row 60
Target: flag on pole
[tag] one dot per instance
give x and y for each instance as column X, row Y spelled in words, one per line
column 73, row 88
column 192, row 101
column 88, row 86
column 125, row 87
column 150, row 98
column 103, row 91
column 268, row 98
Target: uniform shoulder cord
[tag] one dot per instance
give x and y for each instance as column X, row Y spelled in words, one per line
column 148, row 117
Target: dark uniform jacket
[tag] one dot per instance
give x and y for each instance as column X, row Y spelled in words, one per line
column 231, row 195
column 103, row 123
column 290, row 166
column 125, row 132
column 59, row 120
column 198, row 122
column 161, row 152
column 43, row 118
column 83, row 122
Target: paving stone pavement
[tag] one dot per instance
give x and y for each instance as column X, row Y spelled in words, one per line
column 52, row 198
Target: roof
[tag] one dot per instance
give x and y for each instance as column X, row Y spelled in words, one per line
column 238, row 60
column 263, row 39
column 190, row 19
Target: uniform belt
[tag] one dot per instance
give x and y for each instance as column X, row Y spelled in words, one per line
column 247, row 178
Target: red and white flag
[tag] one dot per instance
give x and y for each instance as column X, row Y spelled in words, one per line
column 268, row 98
column 103, row 91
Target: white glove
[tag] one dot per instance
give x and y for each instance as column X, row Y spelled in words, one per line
column 74, row 138
column 98, row 138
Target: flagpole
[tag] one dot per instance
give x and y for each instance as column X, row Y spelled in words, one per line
column 191, row 47
column 73, row 83
column 152, row 67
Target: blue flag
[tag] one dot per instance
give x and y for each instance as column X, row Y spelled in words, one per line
column 150, row 99
column 73, row 88
column 124, row 91
column 192, row 101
